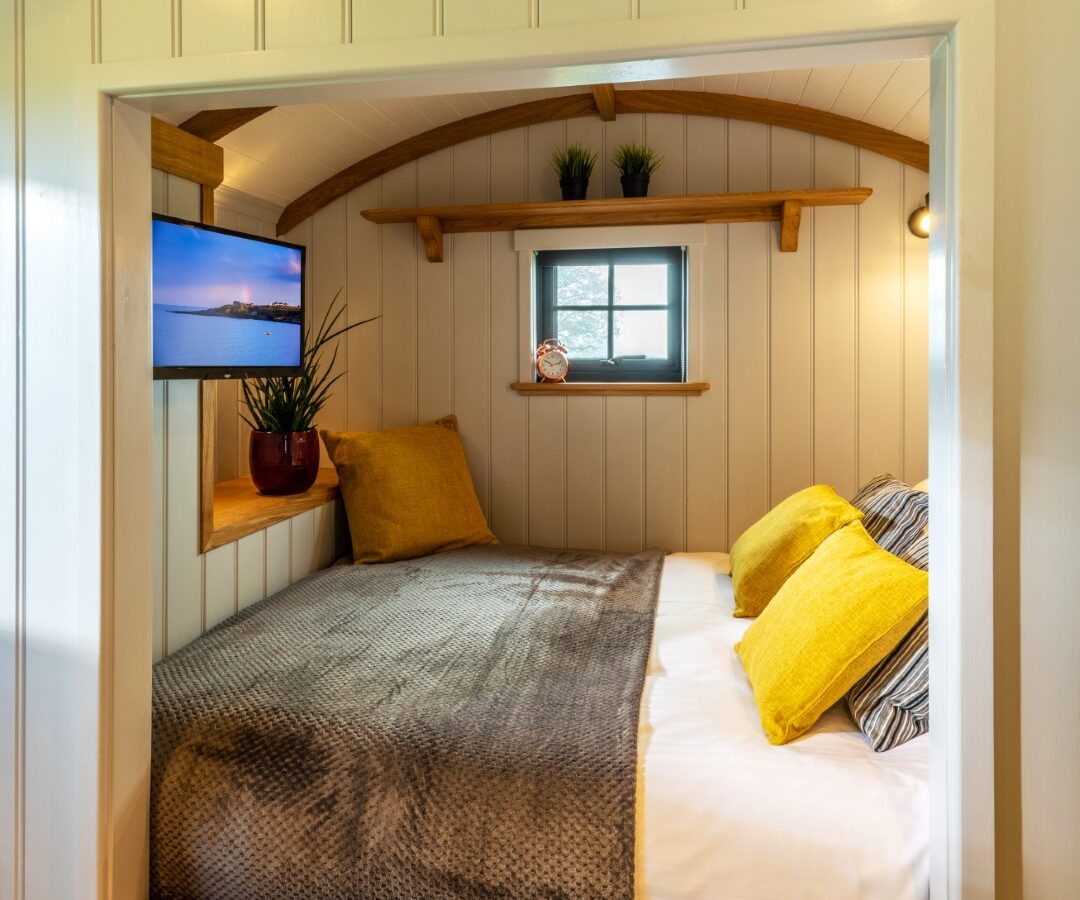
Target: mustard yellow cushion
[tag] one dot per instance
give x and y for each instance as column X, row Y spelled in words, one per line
column 776, row 545
column 839, row 615
column 407, row 491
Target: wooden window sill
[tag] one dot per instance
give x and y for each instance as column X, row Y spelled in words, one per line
column 240, row 510
column 612, row 389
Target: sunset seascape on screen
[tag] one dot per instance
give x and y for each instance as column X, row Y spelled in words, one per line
column 224, row 301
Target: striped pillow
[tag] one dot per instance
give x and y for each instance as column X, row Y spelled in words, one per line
column 891, row 702
column 894, row 514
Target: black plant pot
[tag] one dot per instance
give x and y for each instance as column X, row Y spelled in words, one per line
column 574, row 188
column 635, row 185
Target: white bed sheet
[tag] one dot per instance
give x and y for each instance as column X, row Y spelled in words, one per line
column 723, row 814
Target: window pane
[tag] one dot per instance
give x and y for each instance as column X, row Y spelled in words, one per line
column 645, row 285
column 584, row 334
column 642, row 332
column 582, row 286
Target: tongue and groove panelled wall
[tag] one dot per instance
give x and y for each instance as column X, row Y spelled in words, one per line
column 817, row 359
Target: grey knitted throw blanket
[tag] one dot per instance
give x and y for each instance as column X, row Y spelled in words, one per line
column 458, row 726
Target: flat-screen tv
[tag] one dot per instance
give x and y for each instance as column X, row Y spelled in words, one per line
column 226, row 304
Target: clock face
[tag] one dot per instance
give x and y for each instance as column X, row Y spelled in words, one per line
column 553, row 365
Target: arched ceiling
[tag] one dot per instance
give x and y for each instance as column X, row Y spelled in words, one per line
column 283, row 153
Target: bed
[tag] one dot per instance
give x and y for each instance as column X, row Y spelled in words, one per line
column 724, row 814
column 719, row 812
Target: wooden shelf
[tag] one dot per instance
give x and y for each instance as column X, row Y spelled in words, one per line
column 432, row 222
column 612, row 389
column 240, row 510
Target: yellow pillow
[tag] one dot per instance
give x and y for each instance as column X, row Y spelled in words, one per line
column 776, row 545
column 838, row 616
column 407, row 491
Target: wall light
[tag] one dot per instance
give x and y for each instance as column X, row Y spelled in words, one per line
column 918, row 222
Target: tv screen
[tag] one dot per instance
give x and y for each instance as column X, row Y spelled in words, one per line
column 226, row 305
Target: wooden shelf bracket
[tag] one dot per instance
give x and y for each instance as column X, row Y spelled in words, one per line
column 431, row 232
column 790, row 219
column 604, row 95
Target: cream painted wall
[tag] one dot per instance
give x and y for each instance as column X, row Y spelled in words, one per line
column 194, row 591
column 817, row 359
column 1038, row 466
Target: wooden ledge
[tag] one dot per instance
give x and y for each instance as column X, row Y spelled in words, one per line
column 240, row 510
column 785, row 207
column 611, row 389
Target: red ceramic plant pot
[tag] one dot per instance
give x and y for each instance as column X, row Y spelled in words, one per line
column 284, row 463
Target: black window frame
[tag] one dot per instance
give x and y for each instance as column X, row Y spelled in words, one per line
column 659, row 371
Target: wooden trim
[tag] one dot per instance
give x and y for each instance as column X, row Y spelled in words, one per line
column 430, row 229
column 790, row 219
column 184, row 155
column 773, row 112
column 691, row 103
column 240, row 510
column 762, row 206
column 552, row 109
column 611, row 389
column 213, row 124
column 207, row 460
column 604, row 96
column 207, row 417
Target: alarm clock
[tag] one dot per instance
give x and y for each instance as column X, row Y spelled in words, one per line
column 552, row 362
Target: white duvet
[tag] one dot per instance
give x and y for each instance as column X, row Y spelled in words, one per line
column 724, row 814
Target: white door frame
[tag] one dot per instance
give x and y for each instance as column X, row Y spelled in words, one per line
column 97, row 801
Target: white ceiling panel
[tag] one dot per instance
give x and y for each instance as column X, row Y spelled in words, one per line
column 286, row 152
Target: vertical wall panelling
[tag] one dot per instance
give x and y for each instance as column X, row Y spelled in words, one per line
column 279, row 557
column 509, row 450
column 791, row 332
column 435, row 300
column 624, row 464
column 292, row 23
column 183, row 564
column 250, row 569
column 748, row 334
column 471, row 302
column 780, row 336
column 706, row 416
column 881, row 325
column 541, row 180
column 217, row 26
column 219, row 584
column 667, row 136
column 135, row 29
column 399, row 261
column 628, row 128
column 303, row 544
column 158, row 506
column 326, row 263
column 547, row 471
column 377, row 20
column 585, row 458
column 665, row 472
column 363, row 271
column 835, row 323
column 323, row 535
column 472, row 16
column 916, row 387
column 569, row 12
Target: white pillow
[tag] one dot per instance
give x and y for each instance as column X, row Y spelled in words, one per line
column 923, row 486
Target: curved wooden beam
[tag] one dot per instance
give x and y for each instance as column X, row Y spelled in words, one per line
column 691, row 103
column 787, row 115
column 213, row 124
column 535, row 112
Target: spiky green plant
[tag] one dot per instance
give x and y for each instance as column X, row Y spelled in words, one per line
column 285, row 403
column 636, row 159
column 573, row 161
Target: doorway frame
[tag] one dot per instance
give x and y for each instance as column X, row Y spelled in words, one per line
column 112, row 107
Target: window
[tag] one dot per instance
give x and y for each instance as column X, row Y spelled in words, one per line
column 620, row 313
